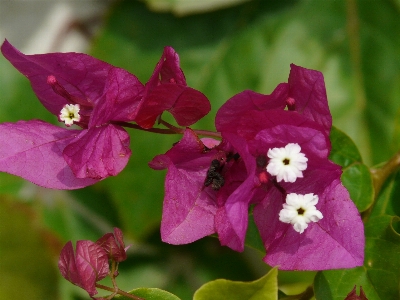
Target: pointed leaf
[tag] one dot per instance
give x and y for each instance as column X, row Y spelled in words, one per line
column 265, row 288
column 150, row 294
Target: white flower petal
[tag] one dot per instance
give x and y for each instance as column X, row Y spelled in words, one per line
column 287, row 163
column 299, row 210
column 70, row 114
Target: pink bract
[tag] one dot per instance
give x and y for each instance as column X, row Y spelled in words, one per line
column 105, row 94
column 167, row 90
column 114, row 245
column 89, row 265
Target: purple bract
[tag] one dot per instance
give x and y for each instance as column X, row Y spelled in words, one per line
column 89, row 265
column 273, row 146
column 97, row 97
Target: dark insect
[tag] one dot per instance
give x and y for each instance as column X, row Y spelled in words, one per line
column 214, row 177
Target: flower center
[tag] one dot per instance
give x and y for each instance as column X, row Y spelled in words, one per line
column 299, row 210
column 287, row 163
column 70, row 114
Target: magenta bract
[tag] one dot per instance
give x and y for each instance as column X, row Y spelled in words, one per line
column 336, row 241
column 34, row 150
column 189, row 207
column 104, row 93
column 296, row 113
column 89, row 265
column 167, row 90
column 114, row 245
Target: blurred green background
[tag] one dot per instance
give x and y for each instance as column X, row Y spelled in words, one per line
column 225, row 47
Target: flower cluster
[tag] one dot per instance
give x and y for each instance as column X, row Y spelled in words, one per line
column 273, row 159
column 98, row 98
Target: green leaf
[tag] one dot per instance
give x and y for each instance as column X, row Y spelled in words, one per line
column 264, row 288
column 379, row 277
column 344, row 152
column 388, row 202
column 356, row 176
column 358, row 181
column 150, row 294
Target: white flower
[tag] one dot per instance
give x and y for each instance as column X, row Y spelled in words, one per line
column 70, row 114
column 299, row 210
column 287, row 163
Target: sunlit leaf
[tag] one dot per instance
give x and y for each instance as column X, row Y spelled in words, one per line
column 150, row 294
column 265, row 288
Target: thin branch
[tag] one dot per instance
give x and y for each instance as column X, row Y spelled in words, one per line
column 380, row 175
column 120, row 292
column 154, row 130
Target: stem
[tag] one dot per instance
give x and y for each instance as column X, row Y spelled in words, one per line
column 170, row 126
column 182, row 130
column 154, row 130
column 381, row 174
column 120, row 292
column 171, row 129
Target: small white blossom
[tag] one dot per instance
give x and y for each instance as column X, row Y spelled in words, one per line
column 299, row 210
column 287, row 163
column 70, row 114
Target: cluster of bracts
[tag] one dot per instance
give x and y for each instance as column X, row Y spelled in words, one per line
column 271, row 158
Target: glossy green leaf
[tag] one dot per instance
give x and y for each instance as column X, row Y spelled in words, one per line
column 379, row 276
column 356, row 176
column 149, row 294
column 358, row 181
column 344, row 152
column 265, row 288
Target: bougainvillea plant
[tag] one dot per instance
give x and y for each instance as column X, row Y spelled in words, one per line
column 269, row 161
